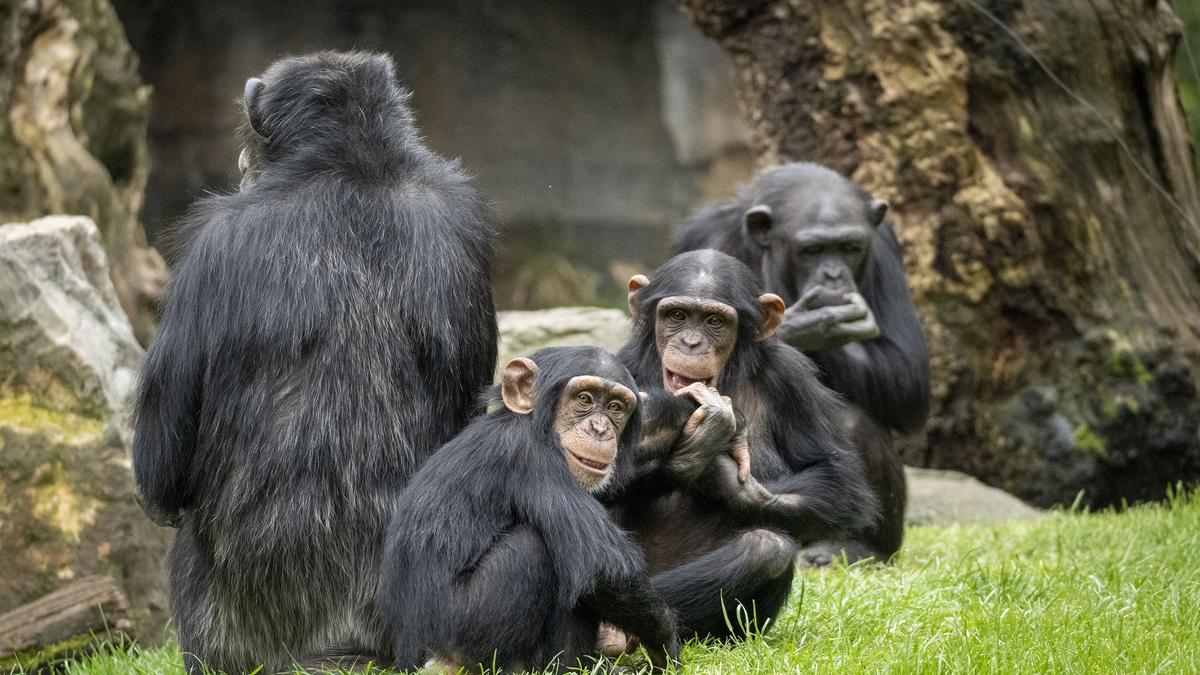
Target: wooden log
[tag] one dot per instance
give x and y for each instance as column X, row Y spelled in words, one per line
column 93, row 604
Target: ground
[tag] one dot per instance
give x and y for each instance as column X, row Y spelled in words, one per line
column 1068, row 592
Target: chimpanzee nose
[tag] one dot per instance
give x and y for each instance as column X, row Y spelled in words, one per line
column 833, row 272
column 691, row 340
column 599, row 428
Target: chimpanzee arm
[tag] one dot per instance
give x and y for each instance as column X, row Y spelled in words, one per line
column 663, row 417
column 635, row 607
column 888, row 376
column 168, row 404
column 819, row 489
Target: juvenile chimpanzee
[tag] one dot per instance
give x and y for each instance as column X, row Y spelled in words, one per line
column 499, row 554
column 819, row 241
column 328, row 327
column 714, row 541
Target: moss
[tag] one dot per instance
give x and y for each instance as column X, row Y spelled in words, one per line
column 23, row 414
column 30, row 659
column 1086, row 439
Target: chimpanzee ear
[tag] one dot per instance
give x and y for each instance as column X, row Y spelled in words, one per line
column 636, row 283
column 758, row 221
column 879, row 209
column 250, row 96
column 772, row 314
column 516, row 385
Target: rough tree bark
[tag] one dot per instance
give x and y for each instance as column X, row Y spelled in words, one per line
column 73, row 134
column 1051, row 228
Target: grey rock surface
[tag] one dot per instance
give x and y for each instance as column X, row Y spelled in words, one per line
column 68, row 363
column 522, row 333
column 941, row 497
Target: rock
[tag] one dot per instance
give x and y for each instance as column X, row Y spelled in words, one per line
column 73, row 135
column 522, row 333
column 68, row 363
column 942, row 497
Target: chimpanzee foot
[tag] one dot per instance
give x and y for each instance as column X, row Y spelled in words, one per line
column 827, row 553
column 613, row 642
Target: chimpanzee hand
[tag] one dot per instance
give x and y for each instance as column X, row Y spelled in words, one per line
column 158, row 516
column 663, row 655
column 707, row 433
column 750, row 498
column 821, row 319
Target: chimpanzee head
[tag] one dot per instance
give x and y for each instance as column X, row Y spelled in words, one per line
column 814, row 229
column 705, row 313
column 339, row 102
column 586, row 399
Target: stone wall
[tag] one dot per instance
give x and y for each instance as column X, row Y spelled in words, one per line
column 592, row 126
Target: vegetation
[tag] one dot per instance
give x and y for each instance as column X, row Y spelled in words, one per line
column 1069, row 592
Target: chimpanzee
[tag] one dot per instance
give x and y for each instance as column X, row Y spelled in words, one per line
column 713, row 541
column 499, row 554
column 820, row 242
column 328, row 327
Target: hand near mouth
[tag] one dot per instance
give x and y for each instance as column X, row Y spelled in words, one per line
column 710, row 431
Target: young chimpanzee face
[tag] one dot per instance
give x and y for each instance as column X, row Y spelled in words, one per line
column 589, row 418
column 815, row 239
column 699, row 302
column 695, row 337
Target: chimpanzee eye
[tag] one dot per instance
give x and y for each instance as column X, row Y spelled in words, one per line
column 677, row 315
column 852, row 247
column 585, row 398
column 616, row 407
column 715, row 320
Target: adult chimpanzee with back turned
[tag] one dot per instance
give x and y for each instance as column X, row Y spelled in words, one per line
column 327, row 328
column 820, row 242
column 714, row 541
column 498, row 555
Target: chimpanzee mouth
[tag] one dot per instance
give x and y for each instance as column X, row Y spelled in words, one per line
column 673, row 381
column 591, row 464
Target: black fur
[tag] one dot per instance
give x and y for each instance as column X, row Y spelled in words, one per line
column 327, row 328
column 886, row 377
column 706, row 557
column 497, row 556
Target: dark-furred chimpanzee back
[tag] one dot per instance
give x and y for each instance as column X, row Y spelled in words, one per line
column 498, row 555
column 327, row 328
column 821, row 242
column 712, row 540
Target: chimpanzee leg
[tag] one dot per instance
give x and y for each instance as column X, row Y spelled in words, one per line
column 192, row 605
column 754, row 568
column 505, row 607
column 885, row 475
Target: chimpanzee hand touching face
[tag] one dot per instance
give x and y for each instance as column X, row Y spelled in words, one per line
column 815, row 251
column 695, row 338
column 821, row 243
column 716, row 541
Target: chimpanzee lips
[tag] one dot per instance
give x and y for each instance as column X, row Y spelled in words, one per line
column 673, row 381
column 591, row 464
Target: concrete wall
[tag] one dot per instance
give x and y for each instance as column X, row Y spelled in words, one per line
column 592, row 126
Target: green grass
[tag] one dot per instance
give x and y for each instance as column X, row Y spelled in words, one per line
column 1070, row 592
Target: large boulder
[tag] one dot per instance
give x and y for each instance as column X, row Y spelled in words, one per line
column 68, row 363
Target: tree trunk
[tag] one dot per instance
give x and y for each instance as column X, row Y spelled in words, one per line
column 73, row 136
column 1043, row 191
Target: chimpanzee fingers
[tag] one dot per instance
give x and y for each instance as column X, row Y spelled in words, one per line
column 844, row 313
column 693, row 422
column 740, row 451
column 810, row 294
column 864, row 329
